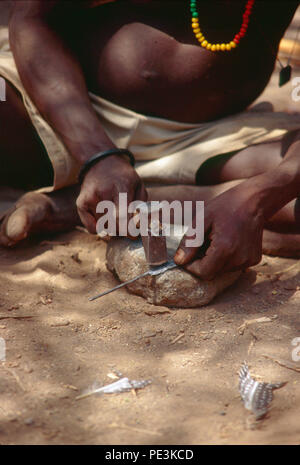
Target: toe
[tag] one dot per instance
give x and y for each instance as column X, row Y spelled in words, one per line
column 18, row 225
column 14, row 227
column 28, row 213
column 281, row 245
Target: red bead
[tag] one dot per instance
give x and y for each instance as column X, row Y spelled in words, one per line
column 236, row 41
column 242, row 34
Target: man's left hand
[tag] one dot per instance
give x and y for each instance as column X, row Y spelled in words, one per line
column 233, row 228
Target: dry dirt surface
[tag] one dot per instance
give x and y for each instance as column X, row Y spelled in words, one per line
column 58, row 344
column 64, row 343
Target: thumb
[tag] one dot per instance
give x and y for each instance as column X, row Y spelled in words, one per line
column 185, row 253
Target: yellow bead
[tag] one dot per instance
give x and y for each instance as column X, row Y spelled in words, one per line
column 208, row 46
column 195, row 20
column 218, row 47
column 223, row 47
column 197, row 30
column 199, row 35
column 233, row 44
column 201, row 39
column 195, row 26
column 228, row 47
column 213, row 48
column 204, row 43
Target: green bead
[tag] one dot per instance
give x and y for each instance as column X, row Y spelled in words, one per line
column 285, row 75
column 195, row 15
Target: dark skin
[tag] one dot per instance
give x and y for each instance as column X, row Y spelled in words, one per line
column 164, row 74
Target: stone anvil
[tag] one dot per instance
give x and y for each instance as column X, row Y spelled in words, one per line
column 174, row 288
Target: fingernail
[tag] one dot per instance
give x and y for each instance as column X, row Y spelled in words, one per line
column 179, row 257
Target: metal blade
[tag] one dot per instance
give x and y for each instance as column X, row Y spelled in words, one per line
column 119, row 286
column 154, row 271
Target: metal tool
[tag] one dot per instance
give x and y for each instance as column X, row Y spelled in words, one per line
column 154, row 243
column 153, row 271
column 155, row 248
column 153, row 237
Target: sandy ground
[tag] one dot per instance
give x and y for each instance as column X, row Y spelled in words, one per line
column 64, row 343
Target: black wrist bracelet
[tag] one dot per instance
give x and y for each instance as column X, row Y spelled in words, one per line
column 95, row 158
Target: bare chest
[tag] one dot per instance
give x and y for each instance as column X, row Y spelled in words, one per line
column 146, row 58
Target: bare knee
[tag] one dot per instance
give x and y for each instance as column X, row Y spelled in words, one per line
column 19, row 153
column 288, row 140
column 244, row 164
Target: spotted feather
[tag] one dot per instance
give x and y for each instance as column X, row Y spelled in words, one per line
column 256, row 396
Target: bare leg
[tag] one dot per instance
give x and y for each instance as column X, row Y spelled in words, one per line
column 24, row 164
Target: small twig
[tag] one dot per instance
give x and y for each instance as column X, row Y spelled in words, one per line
column 19, row 382
column 133, row 391
column 282, row 363
column 289, row 268
column 180, row 336
column 69, row 386
column 84, row 396
column 264, row 319
column 16, row 317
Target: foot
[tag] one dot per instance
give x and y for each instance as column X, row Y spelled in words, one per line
column 281, row 245
column 36, row 212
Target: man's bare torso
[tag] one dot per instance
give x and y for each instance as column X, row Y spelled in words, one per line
column 143, row 55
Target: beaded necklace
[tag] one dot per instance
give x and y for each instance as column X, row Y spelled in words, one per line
column 225, row 46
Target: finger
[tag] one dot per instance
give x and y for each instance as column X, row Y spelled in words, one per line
column 235, row 267
column 88, row 220
column 209, row 266
column 100, row 195
column 141, row 193
column 122, row 215
column 243, row 265
column 106, row 237
column 185, row 253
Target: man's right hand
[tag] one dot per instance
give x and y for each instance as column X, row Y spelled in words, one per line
column 105, row 181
